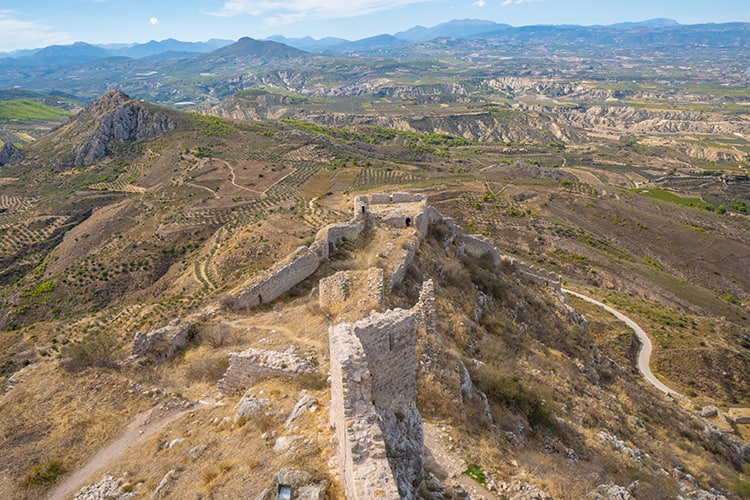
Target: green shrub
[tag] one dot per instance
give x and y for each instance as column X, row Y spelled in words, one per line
column 43, row 474
column 96, row 349
column 476, row 472
column 742, row 488
column 510, row 392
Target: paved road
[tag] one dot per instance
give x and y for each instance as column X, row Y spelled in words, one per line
column 644, row 356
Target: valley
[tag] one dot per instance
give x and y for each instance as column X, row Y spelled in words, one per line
column 148, row 214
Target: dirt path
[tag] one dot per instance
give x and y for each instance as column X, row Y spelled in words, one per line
column 644, row 355
column 449, row 467
column 233, row 177
column 142, row 426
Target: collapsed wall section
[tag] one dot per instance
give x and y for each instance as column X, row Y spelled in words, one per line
column 299, row 266
column 477, row 246
column 362, row 288
column 248, row 367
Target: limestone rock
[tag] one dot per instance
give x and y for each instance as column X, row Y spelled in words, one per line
column 305, row 403
column 292, row 477
column 119, row 119
column 10, row 154
column 609, row 492
column 285, row 444
column 163, row 484
column 107, row 487
column 251, row 406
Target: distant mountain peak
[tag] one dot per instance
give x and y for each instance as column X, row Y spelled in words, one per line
column 659, row 22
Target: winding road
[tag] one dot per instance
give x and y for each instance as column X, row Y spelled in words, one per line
column 644, row 355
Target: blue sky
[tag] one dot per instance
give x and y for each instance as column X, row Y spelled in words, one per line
column 38, row 23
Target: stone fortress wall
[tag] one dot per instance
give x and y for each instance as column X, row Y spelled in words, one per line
column 373, row 402
column 248, row 367
column 373, row 360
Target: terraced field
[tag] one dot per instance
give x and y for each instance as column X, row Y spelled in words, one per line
column 374, row 177
column 15, row 237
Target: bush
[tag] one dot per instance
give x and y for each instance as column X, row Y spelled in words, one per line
column 742, row 488
column 510, row 392
column 43, row 474
column 96, row 349
column 316, row 381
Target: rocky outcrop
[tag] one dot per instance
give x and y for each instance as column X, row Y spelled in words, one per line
column 118, row 119
column 10, row 154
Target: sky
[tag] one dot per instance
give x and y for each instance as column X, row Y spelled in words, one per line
column 26, row 24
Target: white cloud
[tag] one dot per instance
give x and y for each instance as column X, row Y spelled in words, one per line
column 153, row 20
column 507, row 3
column 479, row 3
column 284, row 11
column 20, row 34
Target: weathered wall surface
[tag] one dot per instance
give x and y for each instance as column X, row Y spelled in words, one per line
column 373, row 387
column 476, row 246
column 330, row 236
column 280, row 280
column 363, row 461
column 408, row 256
column 300, row 265
column 246, row 368
column 425, row 310
column 162, row 344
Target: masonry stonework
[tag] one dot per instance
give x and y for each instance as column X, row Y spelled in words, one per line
column 248, row 367
column 374, row 377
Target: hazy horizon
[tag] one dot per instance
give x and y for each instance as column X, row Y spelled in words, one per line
column 39, row 24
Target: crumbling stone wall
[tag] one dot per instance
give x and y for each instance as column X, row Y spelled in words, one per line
column 538, row 275
column 373, row 386
column 330, row 236
column 164, row 342
column 476, row 246
column 425, row 310
column 408, row 256
column 364, row 286
column 280, row 280
column 248, row 367
column 363, row 460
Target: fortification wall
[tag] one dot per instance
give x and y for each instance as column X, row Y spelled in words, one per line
column 408, row 256
column 390, row 344
column 280, row 280
column 246, row 368
column 374, row 384
column 538, row 275
column 362, row 454
column 330, row 236
column 425, row 310
column 476, row 246
column 162, row 343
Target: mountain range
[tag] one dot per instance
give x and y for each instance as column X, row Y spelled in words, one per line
column 663, row 32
